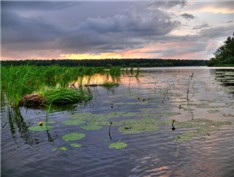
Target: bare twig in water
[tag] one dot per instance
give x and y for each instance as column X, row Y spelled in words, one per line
column 110, row 131
column 189, row 83
column 4, row 124
column 165, row 96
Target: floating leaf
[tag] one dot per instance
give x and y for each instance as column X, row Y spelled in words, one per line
column 185, row 136
column 202, row 127
column 73, row 136
column 60, row 149
column 73, row 122
column 138, row 126
column 76, row 145
column 118, row 145
column 40, row 128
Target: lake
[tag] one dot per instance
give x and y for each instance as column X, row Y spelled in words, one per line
column 176, row 121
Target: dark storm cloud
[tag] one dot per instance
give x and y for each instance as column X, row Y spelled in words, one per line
column 122, row 31
column 130, row 29
column 19, row 29
column 35, row 5
column 188, row 16
column 166, row 3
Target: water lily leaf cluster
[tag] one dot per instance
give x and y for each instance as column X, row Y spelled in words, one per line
column 89, row 121
column 139, row 126
column 198, row 127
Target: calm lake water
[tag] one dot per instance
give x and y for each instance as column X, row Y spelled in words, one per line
column 141, row 110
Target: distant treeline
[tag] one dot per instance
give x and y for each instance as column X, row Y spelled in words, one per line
column 109, row 62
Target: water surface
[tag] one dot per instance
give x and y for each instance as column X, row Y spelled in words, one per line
column 157, row 95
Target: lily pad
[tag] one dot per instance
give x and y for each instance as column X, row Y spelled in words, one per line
column 118, row 145
column 185, row 136
column 40, row 128
column 76, row 145
column 138, row 126
column 60, row 149
column 73, row 136
column 73, row 122
column 200, row 127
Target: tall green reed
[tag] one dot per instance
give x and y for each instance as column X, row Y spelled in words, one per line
column 16, row 81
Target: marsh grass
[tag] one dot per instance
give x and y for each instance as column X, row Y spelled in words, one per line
column 63, row 96
column 54, row 97
column 17, row 81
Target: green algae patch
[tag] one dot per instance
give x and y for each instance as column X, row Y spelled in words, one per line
column 40, row 128
column 74, row 122
column 138, row 126
column 118, row 145
column 73, row 136
column 60, row 149
column 76, row 145
column 200, row 127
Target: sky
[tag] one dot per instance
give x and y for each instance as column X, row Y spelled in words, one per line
column 178, row 29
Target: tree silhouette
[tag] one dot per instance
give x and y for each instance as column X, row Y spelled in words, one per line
column 224, row 54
